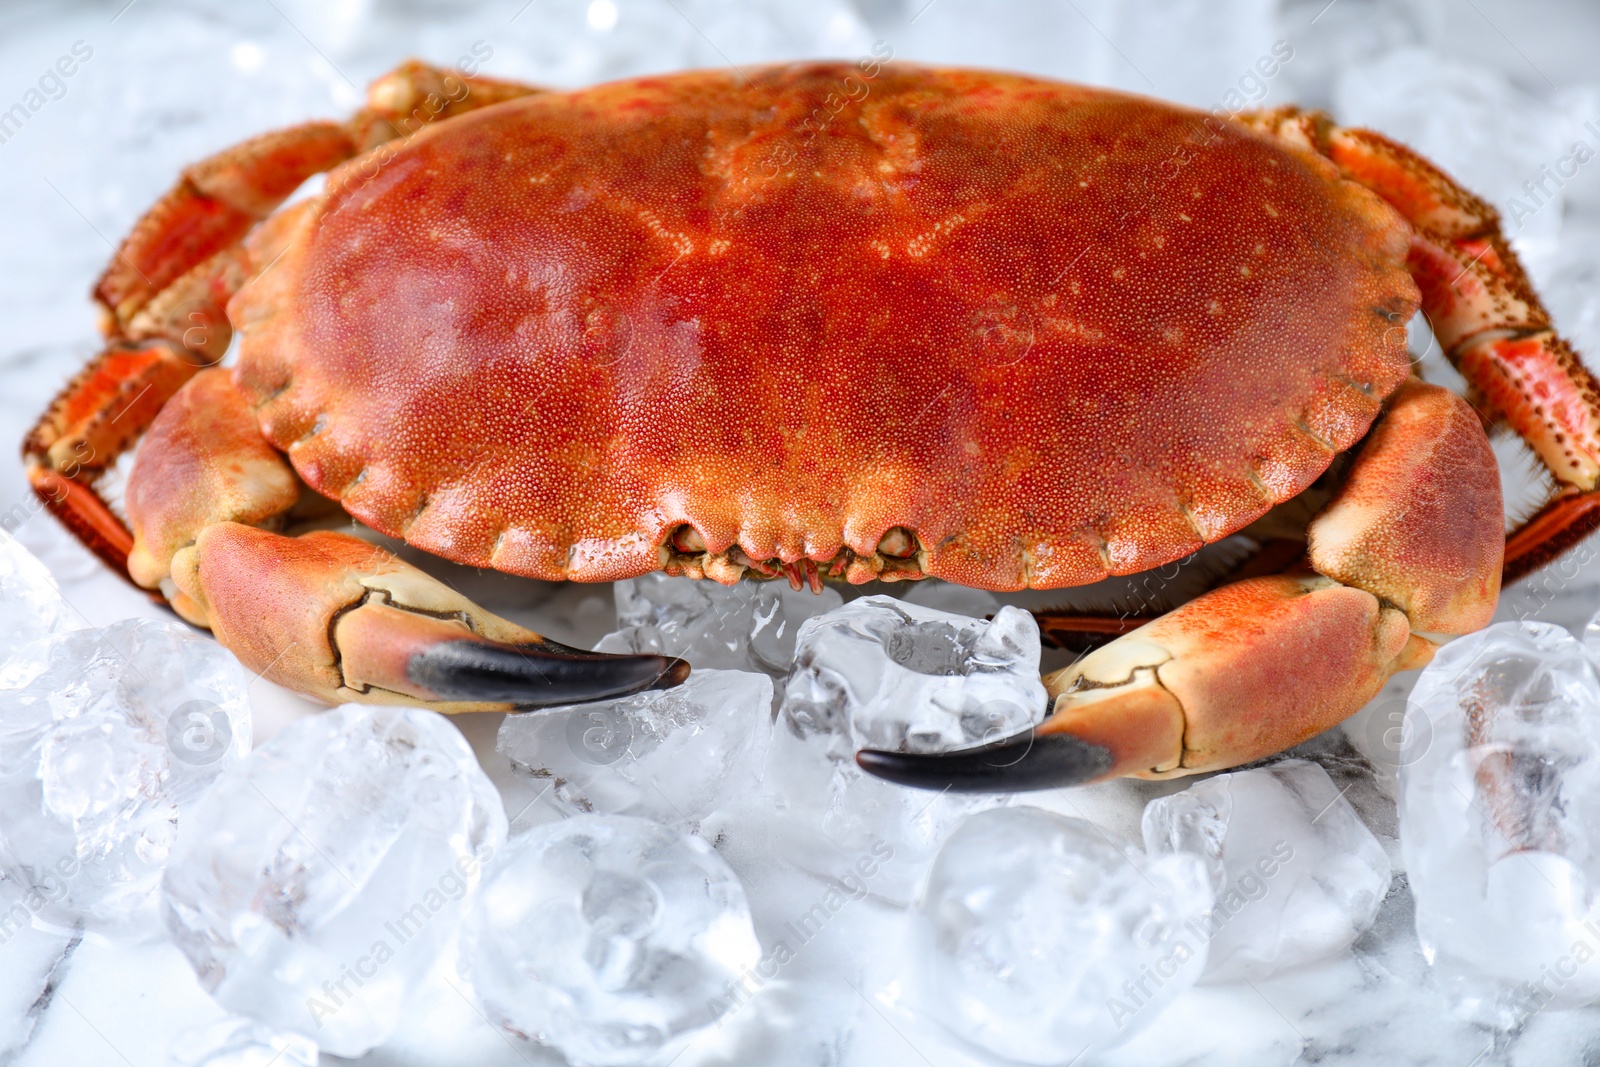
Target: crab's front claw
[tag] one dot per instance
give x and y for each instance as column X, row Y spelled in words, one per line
column 1236, row 675
column 1411, row 541
column 388, row 649
column 341, row 619
column 1035, row 759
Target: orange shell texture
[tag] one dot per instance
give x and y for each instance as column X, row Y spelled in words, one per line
column 1057, row 332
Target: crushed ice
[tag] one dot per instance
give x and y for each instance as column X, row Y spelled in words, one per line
column 885, row 673
column 107, row 739
column 609, row 938
column 750, row 626
column 237, row 1041
column 1500, row 820
column 1034, row 935
column 327, row 873
column 674, row 755
column 1296, row 874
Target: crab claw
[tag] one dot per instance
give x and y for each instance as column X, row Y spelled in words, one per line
column 388, row 648
column 1236, row 675
column 1029, row 760
column 341, row 619
column 1094, row 733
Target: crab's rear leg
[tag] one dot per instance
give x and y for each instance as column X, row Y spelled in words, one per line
column 328, row 614
column 1488, row 321
column 216, row 201
column 163, row 294
column 1408, row 551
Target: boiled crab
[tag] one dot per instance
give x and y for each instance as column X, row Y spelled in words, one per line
column 826, row 321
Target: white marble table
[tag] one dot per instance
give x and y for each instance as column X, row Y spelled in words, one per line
column 1490, row 89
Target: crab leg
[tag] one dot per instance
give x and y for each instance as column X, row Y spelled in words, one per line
column 163, row 294
column 1487, row 319
column 216, row 201
column 326, row 613
column 1084, row 631
column 1409, row 549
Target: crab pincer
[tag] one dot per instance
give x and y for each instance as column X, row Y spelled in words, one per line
column 1408, row 551
column 359, row 623
column 1245, row 671
column 393, row 648
column 327, row 613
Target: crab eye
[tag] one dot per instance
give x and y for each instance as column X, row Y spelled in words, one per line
column 898, row 542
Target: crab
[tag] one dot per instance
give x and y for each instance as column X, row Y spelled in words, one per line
column 851, row 322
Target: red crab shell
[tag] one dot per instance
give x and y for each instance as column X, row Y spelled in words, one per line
column 1057, row 332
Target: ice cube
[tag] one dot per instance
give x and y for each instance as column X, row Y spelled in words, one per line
column 827, row 814
column 1296, row 874
column 1500, row 820
column 240, row 1042
column 30, row 604
column 669, row 754
column 326, row 873
column 107, row 738
column 1038, row 937
column 883, row 673
column 609, row 938
column 748, row 626
column 1590, row 637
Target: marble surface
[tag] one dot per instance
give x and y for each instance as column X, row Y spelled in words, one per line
column 1493, row 90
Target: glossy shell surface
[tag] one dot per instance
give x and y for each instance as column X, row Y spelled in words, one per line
column 1057, row 332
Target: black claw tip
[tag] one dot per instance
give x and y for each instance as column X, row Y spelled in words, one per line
column 536, row 676
column 674, row 672
column 1017, row 764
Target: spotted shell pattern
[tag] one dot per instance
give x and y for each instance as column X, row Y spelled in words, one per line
column 1055, row 332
